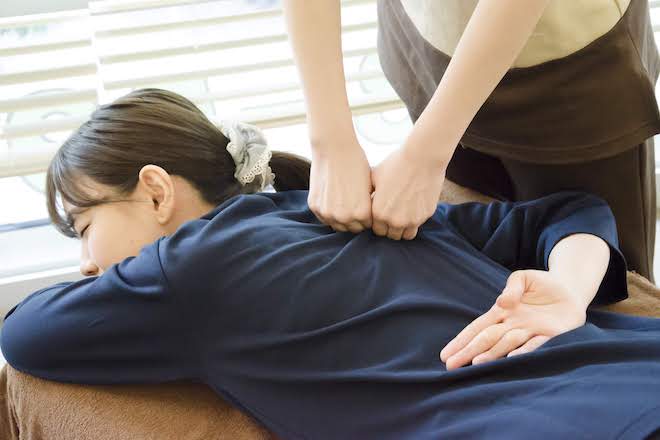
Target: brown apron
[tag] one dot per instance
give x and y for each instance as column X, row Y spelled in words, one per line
column 594, row 103
column 570, row 123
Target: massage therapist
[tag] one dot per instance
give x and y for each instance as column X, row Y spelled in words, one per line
column 513, row 98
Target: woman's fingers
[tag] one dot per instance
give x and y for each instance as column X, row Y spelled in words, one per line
column 355, row 227
column 531, row 345
column 484, row 321
column 394, row 233
column 511, row 340
column 384, row 229
column 352, row 226
column 338, row 227
column 410, row 233
column 379, row 228
column 355, row 223
column 482, row 342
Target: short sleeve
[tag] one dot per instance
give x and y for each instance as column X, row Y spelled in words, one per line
column 521, row 235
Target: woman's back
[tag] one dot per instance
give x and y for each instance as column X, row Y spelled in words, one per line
column 320, row 334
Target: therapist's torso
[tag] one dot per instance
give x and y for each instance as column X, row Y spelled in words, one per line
column 582, row 88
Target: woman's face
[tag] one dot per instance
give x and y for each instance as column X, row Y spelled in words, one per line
column 117, row 229
column 112, row 231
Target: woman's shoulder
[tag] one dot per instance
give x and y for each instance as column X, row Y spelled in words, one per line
column 261, row 203
column 246, row 212
column 243, row 228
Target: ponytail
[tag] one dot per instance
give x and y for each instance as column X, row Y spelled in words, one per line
column 154, row 126
column 291, row 171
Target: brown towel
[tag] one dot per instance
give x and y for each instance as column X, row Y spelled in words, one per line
column 36, row 409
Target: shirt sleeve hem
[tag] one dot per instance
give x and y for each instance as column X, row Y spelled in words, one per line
column 614, row 286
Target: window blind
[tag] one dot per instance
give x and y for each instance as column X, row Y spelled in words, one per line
column 231, row 58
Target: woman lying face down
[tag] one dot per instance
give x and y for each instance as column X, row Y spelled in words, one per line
column 200, row 274
column 144, row 165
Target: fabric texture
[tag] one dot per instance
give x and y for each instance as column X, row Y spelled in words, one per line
column 37, row 409
column 626, row 181
column 563, row 353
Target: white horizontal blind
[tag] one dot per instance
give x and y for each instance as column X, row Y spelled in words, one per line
column 208, row 50
column 231, row 63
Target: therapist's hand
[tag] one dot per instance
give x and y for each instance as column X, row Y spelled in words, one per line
column 407, row 186
column 533, row 307
column 340, row 186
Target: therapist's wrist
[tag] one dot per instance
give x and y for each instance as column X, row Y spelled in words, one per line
column 433, row 155
column 336, row 149
column 331, row 138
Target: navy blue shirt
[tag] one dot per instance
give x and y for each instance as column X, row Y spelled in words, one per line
column 327, row 335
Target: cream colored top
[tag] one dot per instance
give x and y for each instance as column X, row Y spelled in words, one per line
column 565, row 27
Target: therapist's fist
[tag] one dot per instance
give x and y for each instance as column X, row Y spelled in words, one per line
column 406, row 191
column 340, row 187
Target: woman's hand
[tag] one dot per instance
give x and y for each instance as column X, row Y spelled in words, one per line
column 340, row 187
column 406, row 191
column 533, row 307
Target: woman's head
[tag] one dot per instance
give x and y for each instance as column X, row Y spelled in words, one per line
column 139, row 168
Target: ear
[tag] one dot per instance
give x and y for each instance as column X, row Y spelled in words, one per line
column 157, row 184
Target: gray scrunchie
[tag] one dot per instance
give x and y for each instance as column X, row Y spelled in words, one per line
column 247, row 146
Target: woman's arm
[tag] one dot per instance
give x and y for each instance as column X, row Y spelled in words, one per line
column 576, row 243
column 525, row 234
column 126, row 326
column 580, row 262
column 493, row 38
column 535, row 305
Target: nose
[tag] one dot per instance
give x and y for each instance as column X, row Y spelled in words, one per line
column 87, row 266
column 88, row 269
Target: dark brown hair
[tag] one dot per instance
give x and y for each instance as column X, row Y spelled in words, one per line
column 153, row 126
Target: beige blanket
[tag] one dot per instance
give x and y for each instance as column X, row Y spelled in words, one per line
column 35, row 409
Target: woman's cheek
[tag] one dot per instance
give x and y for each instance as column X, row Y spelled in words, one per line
column 104, row 251
column 117, row 242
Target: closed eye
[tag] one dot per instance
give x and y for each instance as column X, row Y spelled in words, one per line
column 82, row 233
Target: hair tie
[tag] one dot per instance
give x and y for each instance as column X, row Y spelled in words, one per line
column 248, row 147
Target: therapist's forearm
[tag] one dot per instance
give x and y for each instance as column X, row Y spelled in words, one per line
column 580, row 262
column 493, row 38
column 315, row 33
